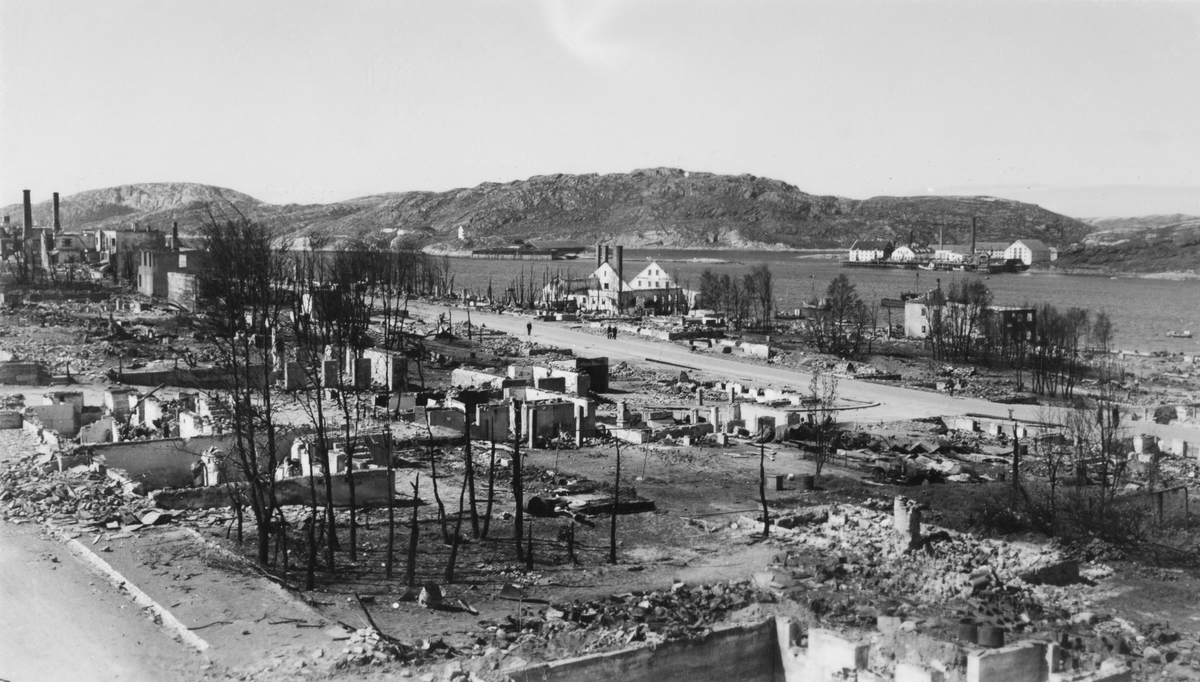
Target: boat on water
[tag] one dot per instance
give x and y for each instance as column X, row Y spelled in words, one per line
column 927, row 266
column 1180, row 335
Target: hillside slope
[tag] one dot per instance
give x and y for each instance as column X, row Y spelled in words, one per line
column 1166, row 243
column 655, row 207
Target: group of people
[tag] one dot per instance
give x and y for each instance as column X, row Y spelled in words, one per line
column 611, row 332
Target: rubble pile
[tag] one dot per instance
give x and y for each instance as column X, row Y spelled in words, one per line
column 617, row 621
column 82, row 494
column 367, row 646
column 947, row 566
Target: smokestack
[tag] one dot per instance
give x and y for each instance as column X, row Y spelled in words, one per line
column 599, row 256
column 972, row 236
column 28, row 217
column 57, row 224
column 620, row 273
column 941, row 234
column 607, row 253
column 174, row 235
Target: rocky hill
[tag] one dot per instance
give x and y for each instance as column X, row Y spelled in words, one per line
column 655, row 207
column 1163, row 243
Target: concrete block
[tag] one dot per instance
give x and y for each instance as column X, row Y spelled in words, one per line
column 329, row 374
column 911, row 672
column 829, row 652
column 10, row 419
column 1025, row 661
column 362, row 373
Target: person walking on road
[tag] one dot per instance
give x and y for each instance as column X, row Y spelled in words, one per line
column 528, row 329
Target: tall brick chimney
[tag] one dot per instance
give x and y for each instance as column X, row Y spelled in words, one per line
column 174, row 235
column 599, row 256
column 28, row 217
column 972, row 238
column 57, row 224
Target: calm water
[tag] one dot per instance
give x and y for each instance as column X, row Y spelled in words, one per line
column 1142, row 310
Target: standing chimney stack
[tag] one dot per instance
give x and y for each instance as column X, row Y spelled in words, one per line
column 599, row 255
column 57, row 224
column 620, row 275
column 972, row 254
column 27, row 229
column 174, row 235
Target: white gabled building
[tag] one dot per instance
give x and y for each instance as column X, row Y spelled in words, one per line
column 653, row 288
column 955, row 254
column 912, row 254
column 867, row 251
column 652, row 277
column 1028, row 251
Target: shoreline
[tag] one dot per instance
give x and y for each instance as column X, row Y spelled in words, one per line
column 831, row 254
column 1169, row 275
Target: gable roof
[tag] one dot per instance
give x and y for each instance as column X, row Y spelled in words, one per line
column 870, row 245
column 1033, row 244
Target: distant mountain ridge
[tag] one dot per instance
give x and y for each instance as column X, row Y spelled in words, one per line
column 652, row 207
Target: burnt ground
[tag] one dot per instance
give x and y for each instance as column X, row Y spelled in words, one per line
column 704, row 496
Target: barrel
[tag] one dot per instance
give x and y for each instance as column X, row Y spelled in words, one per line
column 968, row 630
column 807, row 482
column 991, row 636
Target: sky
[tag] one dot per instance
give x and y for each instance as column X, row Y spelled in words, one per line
column 1088, row 108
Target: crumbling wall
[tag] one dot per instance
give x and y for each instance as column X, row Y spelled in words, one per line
column 468, row 378
column 747, row 653
column 595, row 368
column 491, row 422
column 63, row 418
column 167, row 462
column 446, row 417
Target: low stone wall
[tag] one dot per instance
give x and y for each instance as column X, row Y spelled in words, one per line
column 371, row 487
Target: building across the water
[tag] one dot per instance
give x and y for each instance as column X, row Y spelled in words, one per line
column 870, row 251
column 534, row 249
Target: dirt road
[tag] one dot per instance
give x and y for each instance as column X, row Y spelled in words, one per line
column 894, row 402
column 58, row 621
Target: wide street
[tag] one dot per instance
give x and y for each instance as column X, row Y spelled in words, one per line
column 888, row 402
column 59, row 621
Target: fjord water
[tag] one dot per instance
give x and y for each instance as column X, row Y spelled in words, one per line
column 1142, row 310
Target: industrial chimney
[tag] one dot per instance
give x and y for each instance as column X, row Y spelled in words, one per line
column 57, row 224
column 620, row 274
column 28, row 217
column 972, row 254
column 174, row 235
column 599, row 255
